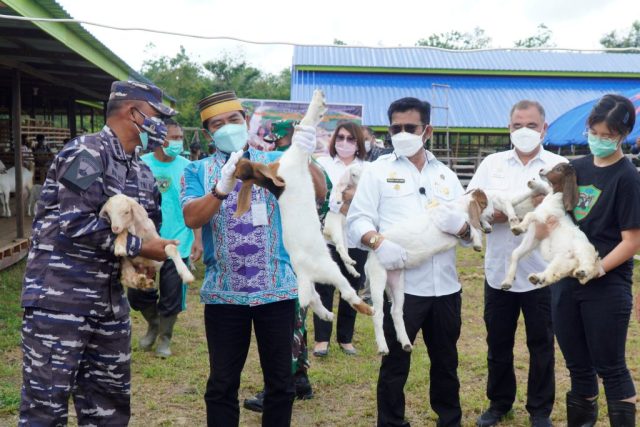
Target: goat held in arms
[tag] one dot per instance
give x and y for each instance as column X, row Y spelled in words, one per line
column 127, row 216
column 290, row 181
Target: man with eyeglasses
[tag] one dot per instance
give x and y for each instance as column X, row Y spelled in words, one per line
column 392, row 190
column 509, row 172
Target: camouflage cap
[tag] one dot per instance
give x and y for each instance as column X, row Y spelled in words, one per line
column 136, row 91
column 280, row 129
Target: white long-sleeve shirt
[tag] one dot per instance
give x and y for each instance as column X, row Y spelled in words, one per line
column 505, row 172
column 389, row 192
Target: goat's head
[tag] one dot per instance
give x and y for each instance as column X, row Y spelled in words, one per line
column 263, row 175
column 562, row 178
column 122, row 212
column 480, row 210
column 355, row 171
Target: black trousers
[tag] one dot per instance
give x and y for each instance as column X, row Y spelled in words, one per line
column 346, row 314
column 170, row 286
column 228, row 330
column 501, row 312
column 439, row 319
column 591, row 324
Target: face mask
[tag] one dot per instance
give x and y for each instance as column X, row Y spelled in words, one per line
column 174, row 149
column 152, row 132
column 367, row 146
column 406, row 144
column 345, row 149
column 231, row 137
column 525, row 140
column 601, row 147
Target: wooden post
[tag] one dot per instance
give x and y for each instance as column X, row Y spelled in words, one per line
column 71, row 113
column 16, row 120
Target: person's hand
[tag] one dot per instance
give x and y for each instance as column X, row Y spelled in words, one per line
column 536, row 200
column 154, row 248
column 305, row 138
column 447, row 220
column 227, row 181
column 347, row 194
column 391, row 255
column 498, row 217
column 196, row 251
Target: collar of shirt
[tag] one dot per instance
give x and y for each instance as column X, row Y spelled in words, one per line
column 513, row 157
column 115, row 147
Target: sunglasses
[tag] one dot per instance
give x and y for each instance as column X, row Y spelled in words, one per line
column 345, row 138
column 408, row 127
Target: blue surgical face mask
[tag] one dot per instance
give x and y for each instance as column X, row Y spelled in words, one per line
column 602, row 147
column 231, row 137
column 175, row 147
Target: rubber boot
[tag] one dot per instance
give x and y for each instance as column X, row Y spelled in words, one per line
column 622, row 414
column 165, row 331
column 581, row 412
column 150, row 314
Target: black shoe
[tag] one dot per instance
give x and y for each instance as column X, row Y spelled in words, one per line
column 255, row 403
column 303, row 387
column 540, row 422
column 490, row 417
column 622, row 414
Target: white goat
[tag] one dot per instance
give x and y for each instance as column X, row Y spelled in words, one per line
column 421, row 239
column 3, row 168
column 8, row 186
column 566, row 249
column 290, row 180
column 334, row 222
column 516, row 207
column 127, row 216
column 34, row 196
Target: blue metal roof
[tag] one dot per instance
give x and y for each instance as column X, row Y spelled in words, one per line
column 493, row 60
column 474, row 101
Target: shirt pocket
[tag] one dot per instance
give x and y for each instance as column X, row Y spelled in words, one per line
column 497, row 181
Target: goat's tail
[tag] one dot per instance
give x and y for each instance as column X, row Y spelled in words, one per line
column 181, row 267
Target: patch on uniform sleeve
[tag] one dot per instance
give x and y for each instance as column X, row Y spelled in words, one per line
column 82, row 172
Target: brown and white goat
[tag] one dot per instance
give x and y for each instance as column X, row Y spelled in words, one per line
column 289, row 179
column 566, row 249
column 422, row 239
column 127, row 216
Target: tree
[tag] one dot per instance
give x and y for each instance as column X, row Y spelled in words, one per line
column 542, row 38
column 339, row 42
column 632, row 39
column 477, row 39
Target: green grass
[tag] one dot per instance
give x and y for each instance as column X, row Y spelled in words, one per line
column 170, row 392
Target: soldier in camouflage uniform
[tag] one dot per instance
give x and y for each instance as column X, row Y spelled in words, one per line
column 76, row 327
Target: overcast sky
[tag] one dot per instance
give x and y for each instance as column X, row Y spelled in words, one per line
column 576, row 24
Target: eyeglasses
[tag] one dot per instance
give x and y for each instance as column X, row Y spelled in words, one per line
column 345, row 138
column 407, row 127
column 609, row 140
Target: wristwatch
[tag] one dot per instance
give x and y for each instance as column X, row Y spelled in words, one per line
column 373, row 240
column 217, row 195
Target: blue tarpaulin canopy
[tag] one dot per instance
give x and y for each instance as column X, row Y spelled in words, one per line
column 569, row 128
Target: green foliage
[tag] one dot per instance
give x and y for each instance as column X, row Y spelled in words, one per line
column 542, row 38
column 615, row 40
column 189, row 81
column 477, row 39
column 339, row 42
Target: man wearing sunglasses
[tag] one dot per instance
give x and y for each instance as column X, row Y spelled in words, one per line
column 508, row 172
column 392, row 190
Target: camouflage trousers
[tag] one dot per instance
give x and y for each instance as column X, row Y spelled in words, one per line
column 66, row 354
column 300, row 353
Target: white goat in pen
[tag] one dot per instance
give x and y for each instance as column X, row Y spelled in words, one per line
column 334, row 222
column 3, row 168
column 127, row 216
column 290, row 180
column 566, row 249
column 8, row 186
column 421, row 239
column 34, row 196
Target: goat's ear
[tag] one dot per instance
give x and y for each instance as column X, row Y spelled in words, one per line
column 570, row 191
column 475, row 211
column 269, row 172
column 480, row 197
column 244, row 198
column 139, row 216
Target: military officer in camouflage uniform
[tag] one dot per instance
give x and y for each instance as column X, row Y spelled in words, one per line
column 76, row 328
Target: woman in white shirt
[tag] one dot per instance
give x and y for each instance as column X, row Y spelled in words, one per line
column 346, row 147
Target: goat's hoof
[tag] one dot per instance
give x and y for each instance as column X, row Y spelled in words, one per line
column 477, row 248
column 363, row 308
column 580, row 274
column 505, row 286
column 327, row 317
column 119, row 251
column 383, row 351
column 531, row 184
column 517, row 231
column 407, row 348
column 535, row 279
column 487, row 230
column 188, row 277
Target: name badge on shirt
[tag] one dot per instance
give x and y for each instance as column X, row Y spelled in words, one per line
column 259, row 214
